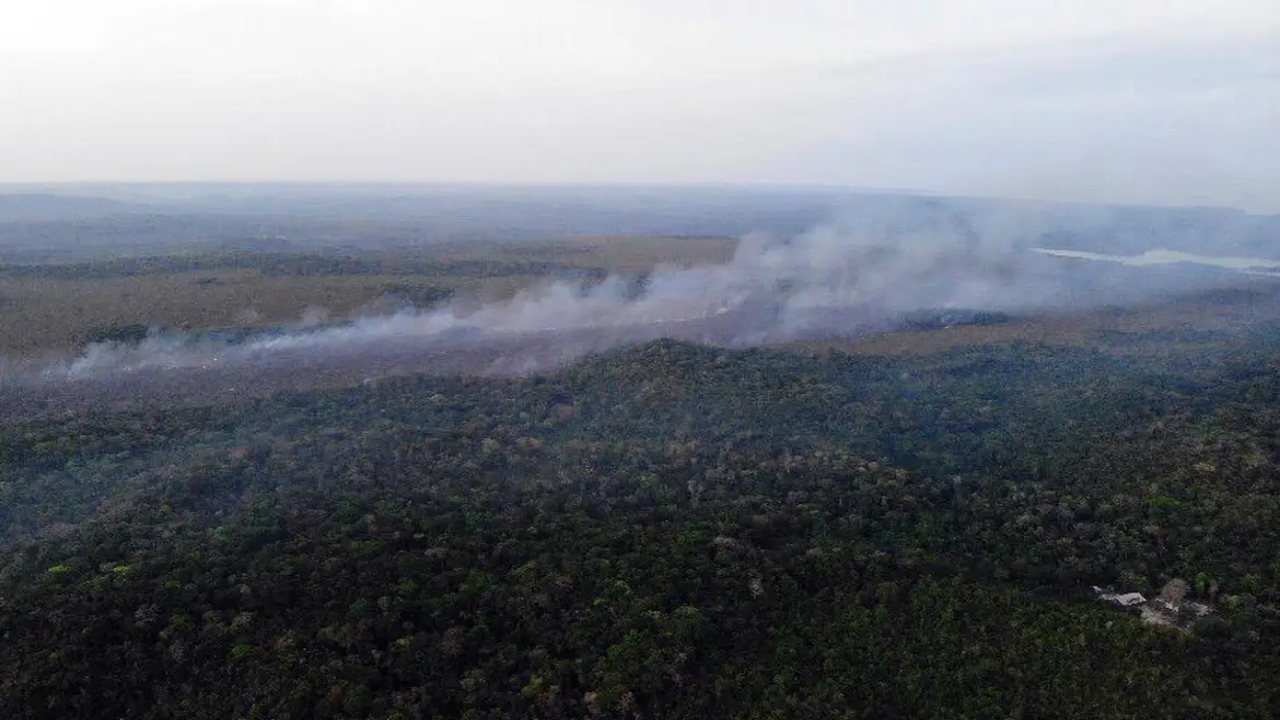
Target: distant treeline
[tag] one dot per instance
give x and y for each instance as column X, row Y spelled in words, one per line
column 933, row 319
column 293, row 264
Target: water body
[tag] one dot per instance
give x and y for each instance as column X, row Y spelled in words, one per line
column 1164, row 256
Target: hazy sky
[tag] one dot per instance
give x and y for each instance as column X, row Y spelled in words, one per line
column 1125, row 100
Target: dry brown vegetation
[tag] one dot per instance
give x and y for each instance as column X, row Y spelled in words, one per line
column 40, row 314
column 631, row 255
column 56, row 314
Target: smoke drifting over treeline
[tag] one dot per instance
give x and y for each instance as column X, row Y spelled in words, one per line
column 843, row 279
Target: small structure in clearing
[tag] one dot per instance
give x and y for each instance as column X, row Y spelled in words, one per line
column 1169, row 609
column 1121, row 599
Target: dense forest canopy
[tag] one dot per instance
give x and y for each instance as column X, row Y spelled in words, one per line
column 667, row 530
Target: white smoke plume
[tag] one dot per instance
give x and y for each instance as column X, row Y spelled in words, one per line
column 839, row 279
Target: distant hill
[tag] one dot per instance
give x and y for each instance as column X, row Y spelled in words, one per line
column 153, row 215
column 27, row 207
column 528, row 212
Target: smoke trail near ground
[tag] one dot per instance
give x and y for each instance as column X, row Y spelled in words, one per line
column 835, row 280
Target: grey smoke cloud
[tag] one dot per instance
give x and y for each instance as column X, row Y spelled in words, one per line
column 867, row 272
column 839, row 279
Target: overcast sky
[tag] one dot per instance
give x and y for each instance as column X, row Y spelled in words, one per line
column 1168, row 101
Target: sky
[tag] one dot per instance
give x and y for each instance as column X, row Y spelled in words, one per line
column 1148, row 101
